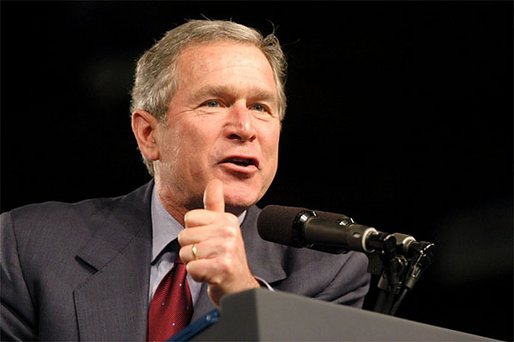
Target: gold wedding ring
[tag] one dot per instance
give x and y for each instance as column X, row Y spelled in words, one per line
column 194, row 251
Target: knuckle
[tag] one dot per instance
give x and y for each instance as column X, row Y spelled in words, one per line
column 231, row 231
column 226, row 265
column 233, row 218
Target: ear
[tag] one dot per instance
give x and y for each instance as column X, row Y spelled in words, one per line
column 144, row 127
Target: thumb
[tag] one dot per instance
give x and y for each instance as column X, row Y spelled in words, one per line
column 213, row 198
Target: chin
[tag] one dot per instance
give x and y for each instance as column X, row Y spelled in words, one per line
column 239, row 201
column 242, row 194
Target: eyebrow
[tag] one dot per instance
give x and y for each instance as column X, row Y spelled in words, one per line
column 224, row 91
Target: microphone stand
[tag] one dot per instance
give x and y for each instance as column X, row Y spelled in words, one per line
column 398, row 271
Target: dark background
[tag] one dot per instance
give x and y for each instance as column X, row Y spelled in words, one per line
column 400, row 115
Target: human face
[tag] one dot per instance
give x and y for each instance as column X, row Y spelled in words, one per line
column 222, row 123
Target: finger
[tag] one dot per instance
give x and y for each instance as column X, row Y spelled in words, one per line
column 200, row 270
column 213, row 198
column 191, row 253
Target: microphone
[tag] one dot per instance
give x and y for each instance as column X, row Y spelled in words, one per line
column 397, row 257
column 325, row 231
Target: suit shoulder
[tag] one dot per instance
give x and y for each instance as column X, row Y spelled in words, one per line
column 55, row 210
column 54, row 218
column 60, row 222
column 59, row 210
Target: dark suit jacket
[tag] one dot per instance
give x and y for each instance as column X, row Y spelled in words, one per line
column 81, row 271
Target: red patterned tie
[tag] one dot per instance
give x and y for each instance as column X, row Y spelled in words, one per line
column 171, row 307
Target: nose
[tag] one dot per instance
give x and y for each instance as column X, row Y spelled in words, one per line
column 240, row 124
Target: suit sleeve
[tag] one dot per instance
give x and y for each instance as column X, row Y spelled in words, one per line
column 17, row 318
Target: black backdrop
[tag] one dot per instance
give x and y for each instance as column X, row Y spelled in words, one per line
column 400, row 115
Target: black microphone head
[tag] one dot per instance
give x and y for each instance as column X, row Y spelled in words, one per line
column 301, row 227
column 276, row 224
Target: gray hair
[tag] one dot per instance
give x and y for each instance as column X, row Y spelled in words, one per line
column 156, row 71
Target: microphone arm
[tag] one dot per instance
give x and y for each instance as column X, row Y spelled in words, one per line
column 318, row 226
column 400, row 260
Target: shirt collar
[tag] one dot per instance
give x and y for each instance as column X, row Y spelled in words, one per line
column 164, row 226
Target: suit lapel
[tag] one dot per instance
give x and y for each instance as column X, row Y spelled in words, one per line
column 203, row 304
column 265, row 258
column 112, row 303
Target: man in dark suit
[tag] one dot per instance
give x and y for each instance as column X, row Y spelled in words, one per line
column 207, row 106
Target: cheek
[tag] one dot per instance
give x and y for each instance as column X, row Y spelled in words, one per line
column 271, row 151
column 168, row 147
column 175, row 147
column 196, row 146
column 271, row 144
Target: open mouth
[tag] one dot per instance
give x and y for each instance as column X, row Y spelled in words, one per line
column 242, row 162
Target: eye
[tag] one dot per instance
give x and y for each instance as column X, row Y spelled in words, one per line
column 211, row 103
column 263, row 110
column 258, row 107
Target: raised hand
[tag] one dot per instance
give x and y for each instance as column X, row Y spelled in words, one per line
column 213, row 248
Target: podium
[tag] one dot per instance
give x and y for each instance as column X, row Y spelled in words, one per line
column 263, row 315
